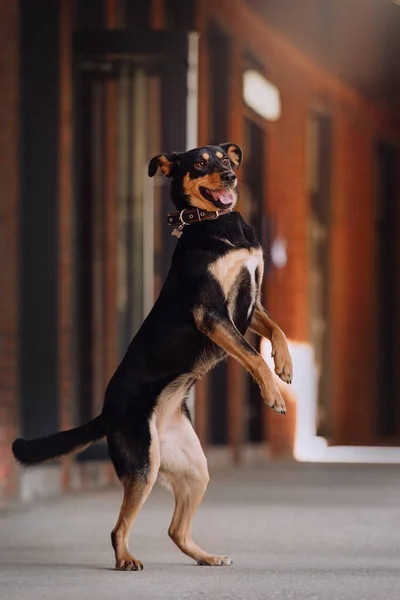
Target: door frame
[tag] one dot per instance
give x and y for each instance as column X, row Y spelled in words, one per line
column 387, row 322
column 177, row 56
column 175, row 59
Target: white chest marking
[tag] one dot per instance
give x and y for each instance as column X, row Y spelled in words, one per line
column 226, row 271
column 252, row 265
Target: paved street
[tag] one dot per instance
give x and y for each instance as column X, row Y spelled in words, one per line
column 294, row 531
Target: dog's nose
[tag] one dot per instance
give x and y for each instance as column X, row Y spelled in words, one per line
column 228, row 177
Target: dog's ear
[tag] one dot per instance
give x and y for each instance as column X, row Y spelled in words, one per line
column 166, row 162
column 234, row 152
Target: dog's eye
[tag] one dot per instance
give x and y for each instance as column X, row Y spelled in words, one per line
column 226, row 161
column 201, row 164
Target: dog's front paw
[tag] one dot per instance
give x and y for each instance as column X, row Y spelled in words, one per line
column 283, row 361
column 273, row 399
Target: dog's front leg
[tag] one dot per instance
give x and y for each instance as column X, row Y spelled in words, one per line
column 263, row 325
column 222, row 331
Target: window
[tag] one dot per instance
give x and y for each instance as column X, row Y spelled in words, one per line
column 261, row 95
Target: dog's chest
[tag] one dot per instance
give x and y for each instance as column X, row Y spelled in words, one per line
column 239, row 273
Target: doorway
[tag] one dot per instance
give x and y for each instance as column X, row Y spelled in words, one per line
column 319, row 177
column 118, row 214
column 387, row 289
column 252, row 199
column 135, row 97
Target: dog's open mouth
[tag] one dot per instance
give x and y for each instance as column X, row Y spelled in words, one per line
column 222, row 198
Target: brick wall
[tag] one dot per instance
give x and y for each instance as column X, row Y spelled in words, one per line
column 8, row 244
column 357, row 123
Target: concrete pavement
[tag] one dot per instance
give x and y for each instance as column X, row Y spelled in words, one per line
column 294, row 531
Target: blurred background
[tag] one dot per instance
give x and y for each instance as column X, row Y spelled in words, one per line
column 90, row 90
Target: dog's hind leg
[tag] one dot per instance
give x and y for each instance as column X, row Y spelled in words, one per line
column 184, row 469
column 138, row 470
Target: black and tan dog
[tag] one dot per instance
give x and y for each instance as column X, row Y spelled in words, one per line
column 210, row 298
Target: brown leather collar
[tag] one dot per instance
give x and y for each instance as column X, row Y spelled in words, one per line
column 193, row 215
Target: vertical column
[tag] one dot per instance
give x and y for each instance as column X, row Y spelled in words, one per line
column 39, row 217
column 201, row 412
column 65, row 265
column 110, row 215
column 288, row 204
column 235, row 373
column 9, row 190
column 354, row 383
column 204, row 102
column 158, row 17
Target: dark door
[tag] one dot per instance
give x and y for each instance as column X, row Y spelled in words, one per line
column 39, row 217
column 319, row 180
column 219, row 64
column 253, row 196
column 387, row 354
column 135, row 97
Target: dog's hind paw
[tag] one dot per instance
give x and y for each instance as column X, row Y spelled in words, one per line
column 129, row 563
column 283, row 362
column 215, row 561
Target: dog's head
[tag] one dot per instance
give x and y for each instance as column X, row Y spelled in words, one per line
column 203, row 177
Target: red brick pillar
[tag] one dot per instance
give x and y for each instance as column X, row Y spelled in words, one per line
column 287, row 202
column 9, row 74
column 353, row 298
column 65, row 324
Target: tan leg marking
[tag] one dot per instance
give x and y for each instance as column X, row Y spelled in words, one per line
column 136, row 492
column 263, row 325
column 224, row 333
column 184, row 470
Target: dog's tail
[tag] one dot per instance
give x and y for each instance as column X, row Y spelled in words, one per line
column 36, row 451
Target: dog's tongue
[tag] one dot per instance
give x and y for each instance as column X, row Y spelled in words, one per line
column 223, row 196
